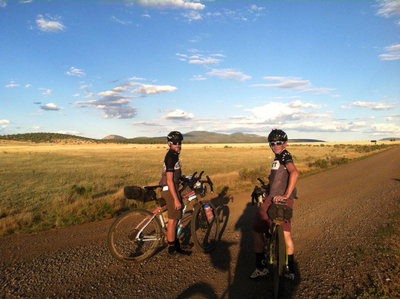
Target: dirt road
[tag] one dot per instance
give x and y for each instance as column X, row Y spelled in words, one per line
column 335, row 218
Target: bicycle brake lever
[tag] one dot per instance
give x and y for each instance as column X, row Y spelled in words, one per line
column 201, row 173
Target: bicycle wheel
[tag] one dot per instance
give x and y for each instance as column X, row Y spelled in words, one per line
column 204, row 232
column 131, row 240
column 279, row 259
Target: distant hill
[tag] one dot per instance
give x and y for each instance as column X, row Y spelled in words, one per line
column 190, row 137
column 113, row 137
column 390, row 139
column 48, row 137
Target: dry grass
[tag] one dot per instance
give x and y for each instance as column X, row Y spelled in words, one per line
column 44, row 186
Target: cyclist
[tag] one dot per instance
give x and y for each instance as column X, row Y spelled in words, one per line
column 282, row 182
column 169, row 182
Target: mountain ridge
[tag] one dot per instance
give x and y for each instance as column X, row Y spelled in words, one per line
column 189, row 137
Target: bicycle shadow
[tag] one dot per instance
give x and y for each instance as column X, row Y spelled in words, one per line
column 198, row 290
column 222, row 210
column 221, row 256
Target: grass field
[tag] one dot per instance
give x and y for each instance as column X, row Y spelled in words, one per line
column 44, row 186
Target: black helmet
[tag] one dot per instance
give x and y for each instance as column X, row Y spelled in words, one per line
column 175, row 136
column 277, row 135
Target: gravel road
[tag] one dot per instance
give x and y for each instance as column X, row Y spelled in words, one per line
column 335, row 219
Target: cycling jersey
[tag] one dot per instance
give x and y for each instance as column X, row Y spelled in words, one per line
column 279, row 176
column 171, row 164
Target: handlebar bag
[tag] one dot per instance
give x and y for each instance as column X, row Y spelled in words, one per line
column 279, row 212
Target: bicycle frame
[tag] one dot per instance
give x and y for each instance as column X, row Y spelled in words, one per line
column 191, row 181
column 156, row 211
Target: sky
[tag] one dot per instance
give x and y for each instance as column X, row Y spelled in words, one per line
column 327, row 70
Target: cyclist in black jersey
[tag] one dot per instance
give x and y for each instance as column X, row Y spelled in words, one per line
column 282, row 182
column 170, row 181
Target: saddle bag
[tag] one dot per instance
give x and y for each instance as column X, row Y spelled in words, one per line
column 139, row 193
column 280, row 212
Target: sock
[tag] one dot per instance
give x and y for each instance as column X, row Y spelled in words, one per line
column 259, row 260
column 291, row 262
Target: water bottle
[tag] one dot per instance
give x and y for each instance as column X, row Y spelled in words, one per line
column 179, row 229
column 209, row 212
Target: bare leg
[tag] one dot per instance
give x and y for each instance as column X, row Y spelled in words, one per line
column 171, row 229
column 289, row 242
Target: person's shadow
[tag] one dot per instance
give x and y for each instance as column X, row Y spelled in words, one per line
column 242, row 286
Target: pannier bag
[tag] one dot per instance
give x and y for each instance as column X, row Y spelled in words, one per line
column 139, row 194
column 279, row 212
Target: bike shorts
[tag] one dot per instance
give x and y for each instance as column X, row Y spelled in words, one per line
column 262, row 223
column 172, row 212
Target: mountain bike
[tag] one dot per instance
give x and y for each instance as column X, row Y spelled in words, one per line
column 137, row 234
column 275, row 249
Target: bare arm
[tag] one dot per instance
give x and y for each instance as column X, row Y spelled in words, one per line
column 172, row 190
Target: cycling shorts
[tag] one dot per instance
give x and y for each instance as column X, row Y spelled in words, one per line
column 172, row 212
column 262, row 223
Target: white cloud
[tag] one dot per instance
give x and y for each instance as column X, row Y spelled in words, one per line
column 73, row 71
column 389, row 8
column 46, row 91
column 198, row 78
column 193, row 16
column 115, row 103
column 172, row 4
column 200, row 58
column 115, row 19
column 372, row 105
column 69, row 132
column 385, row 129
column 3, row 4
column 28, row 85
column 178, row 114
column 392, row 52
column 51, row 107
column 229, row 74
column 51, row 24
column 286, row 82
column 4, row 121
column 12, row 84
column 281, row 112
column 292, row 83
column 147, row 89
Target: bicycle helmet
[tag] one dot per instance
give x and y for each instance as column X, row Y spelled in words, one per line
column 175, row 136
column 277, row 135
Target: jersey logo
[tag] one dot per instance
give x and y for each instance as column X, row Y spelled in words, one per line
column 178, row 165
column 275, row 165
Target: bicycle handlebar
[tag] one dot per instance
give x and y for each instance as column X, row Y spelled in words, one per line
column 192, row 180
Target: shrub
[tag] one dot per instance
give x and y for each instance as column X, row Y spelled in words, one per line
column 338, row 161
column 252, row 174
column 320, row 163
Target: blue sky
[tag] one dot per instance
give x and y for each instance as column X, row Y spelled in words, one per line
column 317, row 69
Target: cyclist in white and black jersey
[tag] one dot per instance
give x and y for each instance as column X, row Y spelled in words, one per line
column 282, row 182
column 169, row 181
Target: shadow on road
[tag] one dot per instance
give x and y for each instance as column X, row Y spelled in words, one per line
column 242, row 286
column 198, row 290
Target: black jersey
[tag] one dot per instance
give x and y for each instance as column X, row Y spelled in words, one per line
column 279, row 176
column 171, row 164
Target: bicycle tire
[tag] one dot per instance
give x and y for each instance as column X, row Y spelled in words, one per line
column 122, row 240
column 204, row 233
column 279, row 260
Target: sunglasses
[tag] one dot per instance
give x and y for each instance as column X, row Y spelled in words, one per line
column 177, row 143
column 276, row 143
